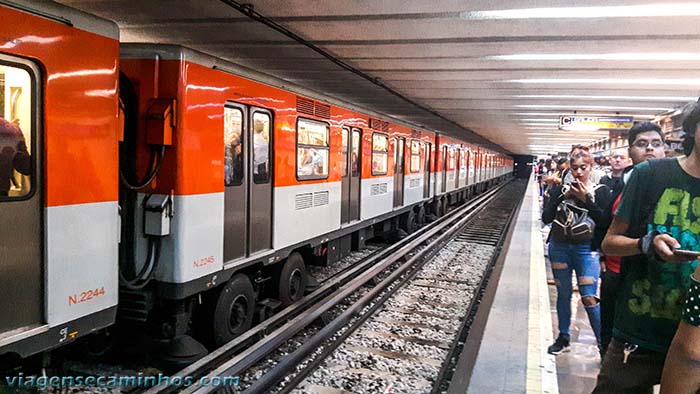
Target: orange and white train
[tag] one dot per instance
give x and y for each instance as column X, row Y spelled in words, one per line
column 176, row 191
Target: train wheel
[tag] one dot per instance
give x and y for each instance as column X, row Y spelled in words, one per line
column 407, row 222
column 234, row 310
column 437, row 208
column 420, row 216
column 291, row 280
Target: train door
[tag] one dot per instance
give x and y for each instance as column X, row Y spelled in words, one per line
column 350, row 170
column 426, row 171
column 247, row 180
column 398, row 171
column 443, row 186
column 458, row 165
column 21, row 265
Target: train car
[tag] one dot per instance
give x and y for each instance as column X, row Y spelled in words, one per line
column 186, row 191
column 58, row 172
column 297, row 180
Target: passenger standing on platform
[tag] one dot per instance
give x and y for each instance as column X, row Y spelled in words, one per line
column 569, row 254
column 658, row 213
column 645, row 141
column 619, row 161
column 681, row 372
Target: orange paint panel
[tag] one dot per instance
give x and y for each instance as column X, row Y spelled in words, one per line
column 79, row 87
column 194, row 164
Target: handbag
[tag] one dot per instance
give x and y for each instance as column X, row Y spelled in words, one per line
column 572, row 224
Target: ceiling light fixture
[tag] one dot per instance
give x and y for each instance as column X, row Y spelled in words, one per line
column 612, row 81
column 659, row 56
column 611, row 98
column 608, row 107
column 557, row 114
column 625, row 11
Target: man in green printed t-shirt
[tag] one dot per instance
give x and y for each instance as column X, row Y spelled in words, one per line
column 659, row 212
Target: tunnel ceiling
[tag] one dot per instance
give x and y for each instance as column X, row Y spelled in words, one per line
column 498, row 72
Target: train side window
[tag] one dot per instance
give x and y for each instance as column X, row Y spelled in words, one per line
column 451, row 161
column 344, row 162
column 261, row 147
column 313, row 149
column 17, row 112
column 380, row 154
column 415, row 156
column 355, row 157
column 233, row 146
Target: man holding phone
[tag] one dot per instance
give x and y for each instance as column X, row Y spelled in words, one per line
column 658, row 213
column 645, row 141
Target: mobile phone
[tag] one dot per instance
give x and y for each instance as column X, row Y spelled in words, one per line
column 686, row 253
column 575, row 184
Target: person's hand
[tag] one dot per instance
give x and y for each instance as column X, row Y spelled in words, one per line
column 578, row 190
column 664, row 245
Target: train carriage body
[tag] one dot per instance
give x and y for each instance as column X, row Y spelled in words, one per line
column 157, row 158
column 60, row 215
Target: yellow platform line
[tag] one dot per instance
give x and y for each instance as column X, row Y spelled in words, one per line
column 541, row 367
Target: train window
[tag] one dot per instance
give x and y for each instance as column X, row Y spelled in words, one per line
column 415, row 156
column 312, row 149
column 16, row 131
column 355, row 157
column 451, row 159
column 261, row 147
column 380, row 154
column 344, row 162
column 233, row 146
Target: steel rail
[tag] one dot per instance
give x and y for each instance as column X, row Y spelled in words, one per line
column 447, row 368
column 247, row 358
column 408, row 270
column 222, row 354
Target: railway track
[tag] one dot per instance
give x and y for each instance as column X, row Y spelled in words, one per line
column 403, row 313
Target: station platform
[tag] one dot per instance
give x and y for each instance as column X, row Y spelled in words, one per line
column 511, row 354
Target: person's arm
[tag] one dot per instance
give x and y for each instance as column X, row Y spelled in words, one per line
column 22, row 161
column 550, row 207
column 596, row 208
column 681, row 372
column 682, row 367
column 616, row 243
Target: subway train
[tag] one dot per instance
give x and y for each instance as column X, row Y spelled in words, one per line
column 171, row 192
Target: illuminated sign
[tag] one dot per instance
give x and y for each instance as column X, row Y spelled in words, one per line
column 580, row 123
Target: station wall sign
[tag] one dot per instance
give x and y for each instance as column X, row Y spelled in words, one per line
column 572, row 122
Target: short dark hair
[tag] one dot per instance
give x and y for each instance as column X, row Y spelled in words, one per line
column 561, row 160
column 691, row 112
column 643, row 128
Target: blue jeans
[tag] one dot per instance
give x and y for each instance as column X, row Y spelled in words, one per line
column 565, row 258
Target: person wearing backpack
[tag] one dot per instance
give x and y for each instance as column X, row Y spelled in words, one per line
column 658, row 215
column 573, row 208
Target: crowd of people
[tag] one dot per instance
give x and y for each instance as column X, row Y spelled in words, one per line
column 632, row 222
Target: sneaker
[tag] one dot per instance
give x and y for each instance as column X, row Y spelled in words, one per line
column 559, row 346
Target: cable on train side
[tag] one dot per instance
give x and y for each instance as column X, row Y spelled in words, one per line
column 128, row 103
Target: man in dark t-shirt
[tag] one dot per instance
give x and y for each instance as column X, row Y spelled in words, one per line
column 619, row 160
column 659, row 211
